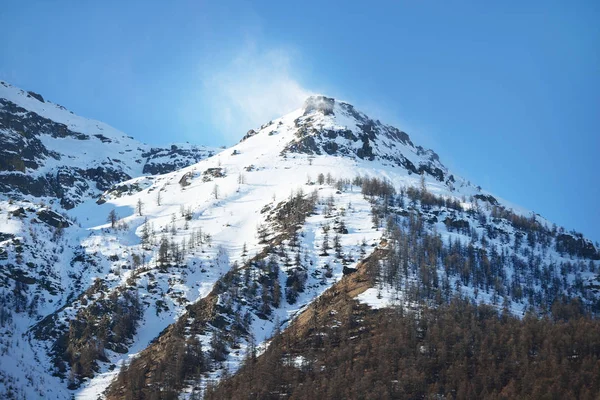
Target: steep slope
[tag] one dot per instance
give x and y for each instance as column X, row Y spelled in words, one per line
column 461, row 239
column 50, row 161
column 341, row 348
column 198, row 267
column 48, row 152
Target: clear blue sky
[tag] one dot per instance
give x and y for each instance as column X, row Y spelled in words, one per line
column 508, row 92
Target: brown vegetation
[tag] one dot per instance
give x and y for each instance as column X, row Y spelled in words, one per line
column 457, row 351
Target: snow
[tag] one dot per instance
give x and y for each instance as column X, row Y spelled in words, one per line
column 257, row 175
column 9, row 224
column 377, row 298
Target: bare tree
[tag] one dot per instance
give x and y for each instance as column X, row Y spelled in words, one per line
column 321, row 178
column 140, row 206
column 112, row 218
column 329, row 178
column 215, row 191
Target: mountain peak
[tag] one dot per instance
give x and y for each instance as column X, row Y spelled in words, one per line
column 325, row 125
column 330, row 106
column 319, row 103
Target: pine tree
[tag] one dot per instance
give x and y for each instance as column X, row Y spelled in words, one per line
column 145, row 233
column 262, row 233
column 325, row 245
column 163, row 250
column 276, row 296
column 337, row 245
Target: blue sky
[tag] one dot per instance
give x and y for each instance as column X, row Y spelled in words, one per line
column 507, row 93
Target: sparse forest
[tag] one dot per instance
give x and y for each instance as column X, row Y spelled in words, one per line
column 424, row 272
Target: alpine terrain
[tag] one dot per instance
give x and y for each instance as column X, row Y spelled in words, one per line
column 325, row 255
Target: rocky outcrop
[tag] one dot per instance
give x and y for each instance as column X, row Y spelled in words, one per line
column 212, row 173
column 161, row 161
column 53, row 219
column 487, row 198
column 577, row 246
column 366, row 139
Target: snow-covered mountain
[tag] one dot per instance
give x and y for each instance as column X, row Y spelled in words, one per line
column 48, row 152
column 181, row 276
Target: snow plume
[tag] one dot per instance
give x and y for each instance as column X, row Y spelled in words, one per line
column 255, row 87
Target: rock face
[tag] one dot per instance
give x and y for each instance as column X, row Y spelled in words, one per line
column 48, row 152
column 53, row 219
column 577, row 245
column 212, row 173
column 336, row 128
column 162, row 161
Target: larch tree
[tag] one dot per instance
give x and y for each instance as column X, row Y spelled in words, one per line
column 139, row 207
column 112, row 218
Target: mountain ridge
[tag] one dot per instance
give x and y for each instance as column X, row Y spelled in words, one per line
column 47, row 151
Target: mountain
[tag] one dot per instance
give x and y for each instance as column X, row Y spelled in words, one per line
column 165, row 284
column 48, row 152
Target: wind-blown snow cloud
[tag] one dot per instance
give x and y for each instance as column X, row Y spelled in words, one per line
column 255, row 87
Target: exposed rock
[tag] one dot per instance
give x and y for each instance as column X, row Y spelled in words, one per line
column 161, row 161
column 456, row 224
column 53, row 219
column 348, row 270
column 103, row 138
column 35, row 96
column 489, row 198
column 19, row 212
column 186, row 179
column 6, row 236
column 211, row 173
column 248, row 135
column 119, row 190
column 319, row 103
column 577, row 246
